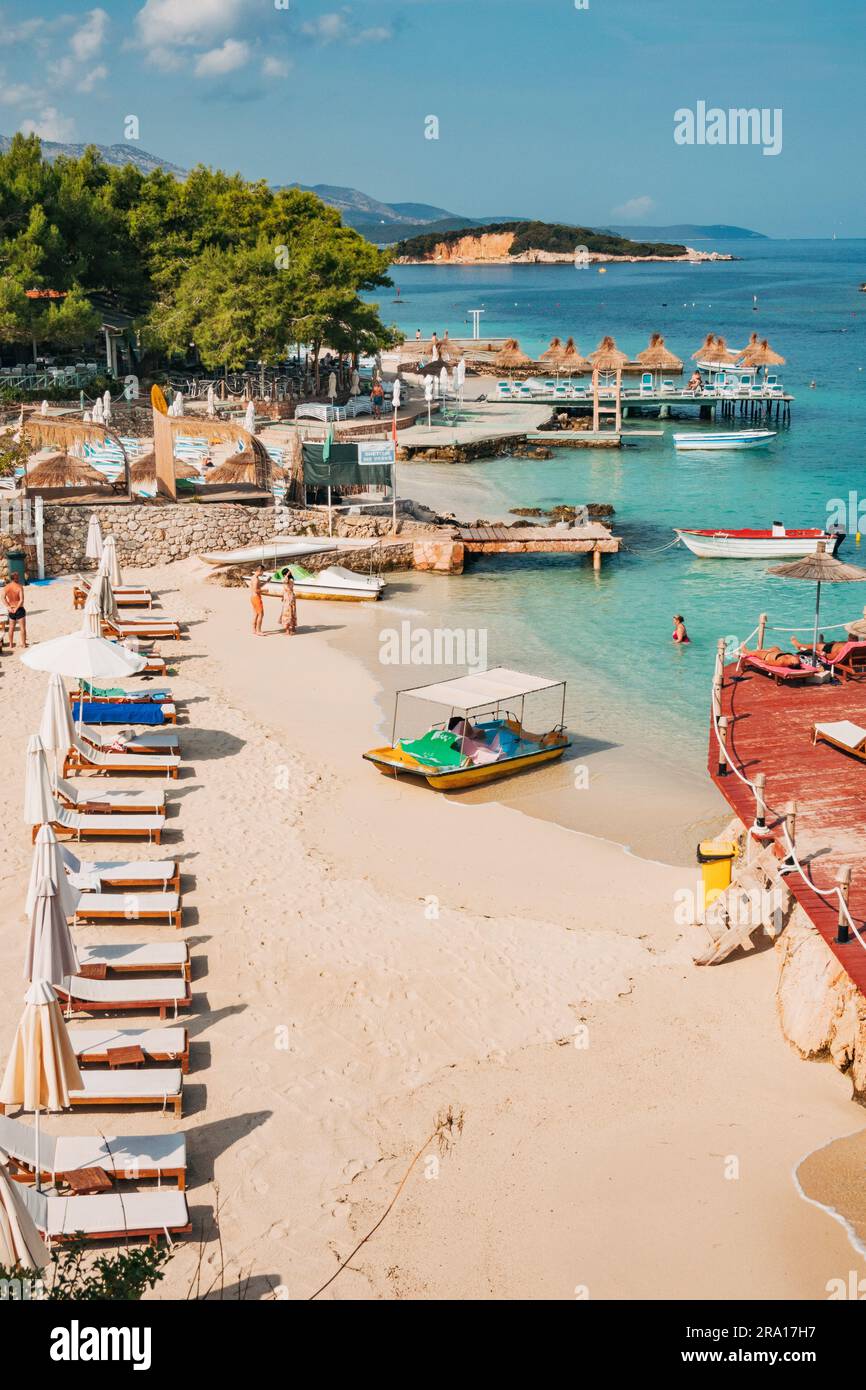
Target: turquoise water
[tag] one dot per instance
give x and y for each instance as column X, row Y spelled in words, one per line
column 555, row 614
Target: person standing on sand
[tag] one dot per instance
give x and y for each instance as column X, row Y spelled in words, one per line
column 256, row 599
column 13, row 598
column 289, row 608
column 377, row 396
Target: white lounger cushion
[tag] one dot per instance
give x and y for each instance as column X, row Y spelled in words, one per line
column 152, row 954
column 165, row 1042
column 111, row 1211
column 844, row 732
column 86, row 876
column 139, row 1083
column 63, row 1154
column 108, row 824
column 103, row 735
column 126, row 991
column 124, row 761
column 131, row 799
column 131, row 905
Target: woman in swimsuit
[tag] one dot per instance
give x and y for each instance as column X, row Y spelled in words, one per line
column 679, row 633
column 257, row 601
column 13, row 598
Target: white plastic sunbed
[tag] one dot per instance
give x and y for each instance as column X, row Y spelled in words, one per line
column 129, row 995
column 138, row 958
column 154, row 741
column 162, row 1086
column 84, row 799
column 119, row 873
column 84, row 755
column 843, row 734
column 103, row 827
column 129, row 1156
column 131, row 907
column 95, row 1045
column 109, row 1216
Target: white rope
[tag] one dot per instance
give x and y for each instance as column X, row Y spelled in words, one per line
column 810, row 883
column 825, row 627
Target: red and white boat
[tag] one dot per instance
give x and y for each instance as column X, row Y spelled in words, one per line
column 747, row 544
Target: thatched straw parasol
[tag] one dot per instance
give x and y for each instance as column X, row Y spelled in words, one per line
column 715, row 350
column 659, row 358
column 760, row 354
column 572, row 360
column 857, row 630
column 237, row 468
column 142, row 473
column 511, row 356
column 607, row 356
column 820, row 568
column 553, row 353
column 63, row 470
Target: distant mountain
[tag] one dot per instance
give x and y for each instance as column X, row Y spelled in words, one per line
column 686, row 231
column 116, row 155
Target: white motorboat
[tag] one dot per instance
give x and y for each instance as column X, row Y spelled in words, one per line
column 724, row 439
column 334, row 582
column 749, row 544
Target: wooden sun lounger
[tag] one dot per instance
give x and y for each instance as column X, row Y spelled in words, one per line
column 151, row 741
column 130, row 995
column 848, row 737
column 110, row 1046
column 141, row 627
column 780, row 674
column 104, row 827
column 125, row 1158
column 149, row 958
column 130, row 907
column 124, row 803
column 162, row 1086
column 109, row 1216
column 125, row 595
column 82, row 757
column 121, row 873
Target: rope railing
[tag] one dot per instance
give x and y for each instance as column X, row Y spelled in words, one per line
column 762, row 803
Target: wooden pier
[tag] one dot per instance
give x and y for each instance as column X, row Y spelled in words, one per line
column 448, row 555
column 770, row 732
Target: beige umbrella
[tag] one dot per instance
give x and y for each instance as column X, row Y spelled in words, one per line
column 21, row 1246
column 39, row 807
column 42, row 1069
column 109, row 564
column 63, row 470
column 56, row 729
column 607, row 356
column 659, row 358
column 50, row 953
column 104, row 592
column 820, row 568
column 93, row 544
column 48, row 863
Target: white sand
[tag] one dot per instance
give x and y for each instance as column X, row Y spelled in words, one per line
column 336, row 1016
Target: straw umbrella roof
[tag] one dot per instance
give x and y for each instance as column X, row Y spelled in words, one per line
column 554, row 352
column 715, row 349
column 760, row 354
column 144, row 469
column 237, row 468
column 572, row 359
column 659, row 357
column 607, row 356
column 63, row 470
column 821, row 568
column 511, row 356
column 857, row 629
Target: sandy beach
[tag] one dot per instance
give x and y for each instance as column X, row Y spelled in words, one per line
column 371, row 959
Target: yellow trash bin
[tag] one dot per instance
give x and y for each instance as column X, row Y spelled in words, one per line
column 716, row 859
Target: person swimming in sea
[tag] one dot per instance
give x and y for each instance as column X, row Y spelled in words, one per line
column 679, row 633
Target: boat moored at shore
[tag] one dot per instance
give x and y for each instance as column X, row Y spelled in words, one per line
column 757, row 544
column 723, row 439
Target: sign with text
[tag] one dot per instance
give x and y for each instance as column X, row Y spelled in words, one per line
column 377, row 454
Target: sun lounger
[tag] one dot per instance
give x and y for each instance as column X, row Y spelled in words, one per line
column 125, row 595
column 124, row 996
column 109, row 1216
column 125, row 711
column 97, row 737
column 130, row 907
column 135, row 802
column 105, row 827
column 141, row 626
column 131, row 1157
column 847, row 659
column 110, row 695
column 750, row 662
column 105, row 1046
column 84, row 757
column 151, row 956
column 844, row 735
column 97, row 875
column 162, row 1086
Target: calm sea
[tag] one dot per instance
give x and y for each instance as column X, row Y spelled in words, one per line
column 610, row 633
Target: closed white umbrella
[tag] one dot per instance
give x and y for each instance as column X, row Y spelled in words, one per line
column 39, row 807
column 42, row 1069
column 103, row 592
column 428, row 396
column 48, row 863
column 178, row 404
column 50, row 953
column 97, row 411
column 43, row 409
column 56, row 729
column 93, row 546
column 443, row 381
column 21, row 1245
column 211, row 402
column 332, row 386
column 355, row 388
column 250, row 418
column 106, row 406
column 461, row 371
column 110, row 564
column 398, row 393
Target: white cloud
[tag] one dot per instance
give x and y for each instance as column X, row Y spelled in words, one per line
column 49, row 125
column 88, row 40
column 276, row 67
column 377, row 35
column 337, row 27
column 634, row 207
column 161, row 23
column 90, row 79
column 234, row 54
column 17, row 93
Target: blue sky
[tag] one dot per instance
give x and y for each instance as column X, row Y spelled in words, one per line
column 544, row 110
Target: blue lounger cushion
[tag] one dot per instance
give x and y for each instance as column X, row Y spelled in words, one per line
column 108, row 713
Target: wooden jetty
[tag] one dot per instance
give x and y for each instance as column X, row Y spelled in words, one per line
column 448, row 555
column 769, row 731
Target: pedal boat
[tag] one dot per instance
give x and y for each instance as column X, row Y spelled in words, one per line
column 460, row 753
column 334, row 582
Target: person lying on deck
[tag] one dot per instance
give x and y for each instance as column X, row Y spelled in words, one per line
column 774, row 656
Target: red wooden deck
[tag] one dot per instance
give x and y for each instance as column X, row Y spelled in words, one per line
column 770, row 731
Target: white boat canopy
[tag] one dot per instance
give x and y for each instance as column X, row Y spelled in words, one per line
column 484, row 688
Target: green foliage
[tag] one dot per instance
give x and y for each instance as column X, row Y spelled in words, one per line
column 557, row 237
column 77, row 1276
column 13, row 454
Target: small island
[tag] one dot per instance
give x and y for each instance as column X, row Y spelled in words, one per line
column 538, row 243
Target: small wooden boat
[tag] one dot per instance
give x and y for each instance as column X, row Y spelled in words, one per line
column 335, row 582
column 460, row 753
column 724, row 439
column 746, row 544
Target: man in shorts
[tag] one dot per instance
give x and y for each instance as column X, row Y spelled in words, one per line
column 13, row 598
